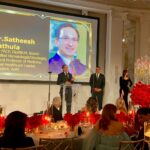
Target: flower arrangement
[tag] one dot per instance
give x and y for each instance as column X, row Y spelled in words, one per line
column 59, row 125
column 72, row 119
column 94, row 117
column 89, row 117
column 33, row 121
column 140, row 94
column 37, row 120
column 142, row 70
column 2, row 122
column 125, row 118
column 83, row 117
column 128, row 121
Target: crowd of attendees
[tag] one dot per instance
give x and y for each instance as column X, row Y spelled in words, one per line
column 106, row 134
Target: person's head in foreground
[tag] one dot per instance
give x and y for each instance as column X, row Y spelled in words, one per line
column 108, row 114
column 143, row 114
column 15, row 124
column 14, row 132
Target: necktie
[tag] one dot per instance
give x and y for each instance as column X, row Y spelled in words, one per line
column 97, row 75
column 67, row 76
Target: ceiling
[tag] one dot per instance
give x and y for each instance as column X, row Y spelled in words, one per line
column 133, row 4
column 138, row 4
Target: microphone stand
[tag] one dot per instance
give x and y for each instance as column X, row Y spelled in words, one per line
column 49, row 92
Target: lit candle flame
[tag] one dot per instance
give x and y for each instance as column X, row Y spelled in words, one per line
column 87, row 114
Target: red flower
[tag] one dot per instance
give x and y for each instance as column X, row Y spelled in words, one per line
column 140, row 94
column 83, row 116
column 2, row 121
column 45, row 119
column 72, row 120
column 94, row 118
column 36, row 120
column 126, row 118
column 128, row 121
column 122, row 117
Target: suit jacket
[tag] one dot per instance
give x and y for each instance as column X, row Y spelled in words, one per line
column 97, row 82
column 62, row 78
column 75, row 67
column 57, row 115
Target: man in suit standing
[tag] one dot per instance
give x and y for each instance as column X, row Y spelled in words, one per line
column 97, row 83
column 65, row 78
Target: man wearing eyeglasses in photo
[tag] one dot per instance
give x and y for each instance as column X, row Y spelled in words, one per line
column 67, row 39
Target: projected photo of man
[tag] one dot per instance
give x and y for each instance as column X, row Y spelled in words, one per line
column 66, row 42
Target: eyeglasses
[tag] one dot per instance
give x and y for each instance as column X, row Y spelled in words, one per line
column 69, row 39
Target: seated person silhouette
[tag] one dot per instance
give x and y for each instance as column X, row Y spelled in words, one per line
column 143, row 115
column 120, row 104
column 67, row 40
column 14, row 133
column 92, row 105
column 54, row 110
column 107, row 133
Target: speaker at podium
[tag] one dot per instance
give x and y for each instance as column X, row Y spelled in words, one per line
column 70, row 96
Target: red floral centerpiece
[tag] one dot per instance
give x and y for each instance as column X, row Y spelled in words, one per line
column 37, row 120
column 126, row 118
column 72, row 119
column 128, row 121
column 140, row 94
column 33, row 122
column 2, row 122
column 92, row 118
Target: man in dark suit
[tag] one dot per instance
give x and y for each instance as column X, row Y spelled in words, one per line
column 65, row 79
column 97, row 83
column 67, row 40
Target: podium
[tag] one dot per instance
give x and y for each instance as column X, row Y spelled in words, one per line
column 70, row 91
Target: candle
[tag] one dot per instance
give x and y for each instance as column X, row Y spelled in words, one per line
column 87, row 115
column 46, row 119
